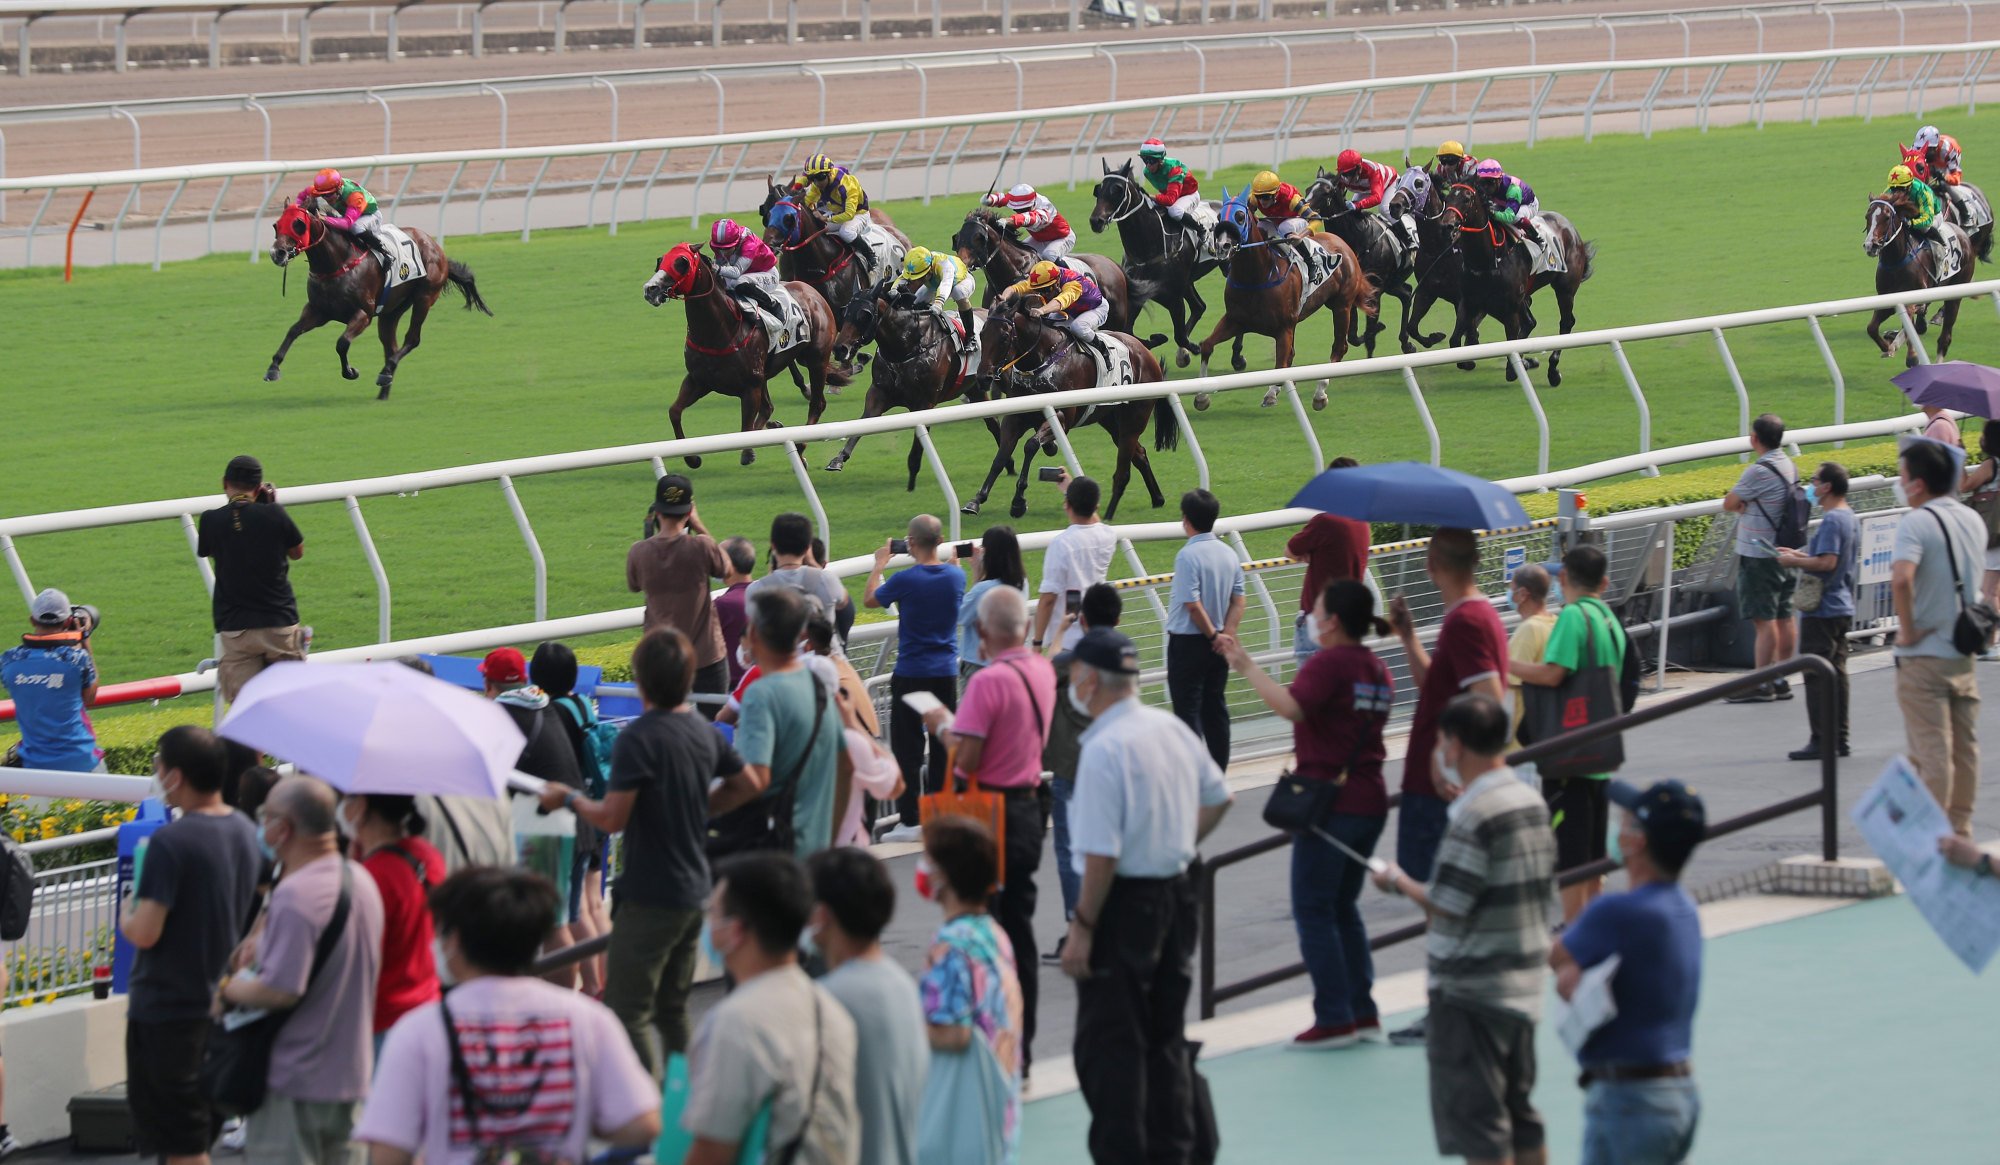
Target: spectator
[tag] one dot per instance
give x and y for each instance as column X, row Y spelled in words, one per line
column 971, row 994
column 52, row 678
column 1763, row 587
column 673, row 567
column 1982, row 485
column 1941, row 427
column 1203, row 612
column 508, row 1061
column 864, row 763
column 854, row 902
column 1488, row 907
column 996, row 561
column 1935, row 576
column 253, row 542
column 253, row 787
column 1577, row 806
column 843, row 611
column 1529, row 594
column 321, row 1061
column 998, row 736
column 1076, row 559
column 1640, row 1103
column 822, row 639
column 388, row 834
column 191, row 906
column 789, row 726
column 795, row 565
column 1146, row 795
column 547, row 754
column 926, row 599
column 742, row 559
column 478, row 831
column 554, row 670
column 1332, row 547
column 1338, row 704
column 778, row 1039
column 1829, row 559
column 1101, row 607
column 658, row 798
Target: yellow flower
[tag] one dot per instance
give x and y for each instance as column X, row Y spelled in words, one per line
column 50, row 825
column 20, row 834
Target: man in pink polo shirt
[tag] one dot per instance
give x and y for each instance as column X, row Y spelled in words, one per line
column 998, row 733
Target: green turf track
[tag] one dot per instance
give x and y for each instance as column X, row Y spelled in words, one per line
column 132, row 384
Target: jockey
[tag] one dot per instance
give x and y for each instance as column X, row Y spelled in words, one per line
column 929, row 276
column 346, row 206
column 1072, row 292
column 1926, row 217
column 1048, row 232
column 1178, row 190
column 1511, row 200
column 1941, row 154
column 1356, row 175
column 746, row 266
column 1281, row 203
column 1452, row 165
column 846, row 203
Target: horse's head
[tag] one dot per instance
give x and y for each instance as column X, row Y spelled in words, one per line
column 1465, row 207
column 775, row 193
column 977, row 239
column 674, row 277
column 1235, row 225
column 1323, row 196
column 292, row 233
column 1413, row 192
column 859, row 321
column 1117, row 195
column 784, row 222
column 1887, row 215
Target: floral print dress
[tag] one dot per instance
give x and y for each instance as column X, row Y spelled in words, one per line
column 969, row 979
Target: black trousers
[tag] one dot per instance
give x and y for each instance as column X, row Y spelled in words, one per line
column 909, row 740
column 712, row 678
column 1131, row 1016
column 1198, row 683
column 1014, row 906
column 1826, row 638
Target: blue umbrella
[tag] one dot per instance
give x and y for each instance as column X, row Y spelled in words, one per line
column 1410, row 491
column 1954, row 384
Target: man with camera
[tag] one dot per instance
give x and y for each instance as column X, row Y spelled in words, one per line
column 52, row 679
column 925, row 596
column 253, row 542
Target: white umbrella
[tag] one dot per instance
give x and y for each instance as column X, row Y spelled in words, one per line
column 377, row 728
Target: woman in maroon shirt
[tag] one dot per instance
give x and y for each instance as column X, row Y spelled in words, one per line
column 1337, row 704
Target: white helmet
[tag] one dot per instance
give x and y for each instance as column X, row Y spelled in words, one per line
column 1927, row 137
column 1021, row 197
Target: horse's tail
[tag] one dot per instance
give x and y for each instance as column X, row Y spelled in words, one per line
column 1983, row 238
column 1166, row 429
column 1589, row 259
column 461, row 278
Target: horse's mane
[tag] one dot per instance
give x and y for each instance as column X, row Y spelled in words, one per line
column 1904, row 204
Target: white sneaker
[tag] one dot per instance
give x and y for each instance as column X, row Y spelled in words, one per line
column 234, row 1132
column 8, row 1145
column 1991, row 654
column 902, row 834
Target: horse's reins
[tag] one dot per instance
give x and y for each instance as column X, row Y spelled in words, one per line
column 714, row 285
column 1139, row 201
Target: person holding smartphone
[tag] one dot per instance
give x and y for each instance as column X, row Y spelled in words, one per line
column 1078, row 557
column 926, row 597
column 994, row 560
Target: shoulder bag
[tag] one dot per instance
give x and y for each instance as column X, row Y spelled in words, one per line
column 499, row 1152
column 1588, row 695
column 1973, row 629
column 236, row 1068
column 766, row 823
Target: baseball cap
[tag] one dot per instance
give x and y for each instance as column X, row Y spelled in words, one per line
column 504, row 665
column 244, row 469
column 1107, row 649
column 51, row 607
column 1670, row 815
column 673, row 496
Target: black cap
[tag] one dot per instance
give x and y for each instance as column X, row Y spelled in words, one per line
column 244, row 470
column 673, row 497
column 1670, row 815
column 1106, row 649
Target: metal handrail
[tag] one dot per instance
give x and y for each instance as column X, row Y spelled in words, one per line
column 570, row 955
column 1214, row 994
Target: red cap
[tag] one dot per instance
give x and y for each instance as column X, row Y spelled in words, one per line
column 504, row 665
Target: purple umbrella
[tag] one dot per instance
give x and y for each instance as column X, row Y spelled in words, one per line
column 1954, row 384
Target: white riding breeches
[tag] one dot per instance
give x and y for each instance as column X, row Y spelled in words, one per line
column 963, row 292
column 768, row 280
column 1054, row 249
column 1084, row 325
column 1294, row 228
column 367, row 224
column 1183, row 204
column 1531, row 208
column 852, row 229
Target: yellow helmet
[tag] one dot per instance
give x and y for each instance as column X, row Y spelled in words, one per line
column 1264, row 183
column 819, row 164
column 1043, row 274
column 917, row 263
column 1901, row 176
column 1451, row 150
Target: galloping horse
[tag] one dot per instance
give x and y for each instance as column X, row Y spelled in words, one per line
column 346, row 283
column 1387, row 263
column 984, row 245
column 1901, row 264
column 1024, row 356
column 1265, row 291
column 915, row 366
column 1440, row 267
column 726, row 351
column 1160, row 258
column 1498, row 278
column 810, row 252
column 1982, row 236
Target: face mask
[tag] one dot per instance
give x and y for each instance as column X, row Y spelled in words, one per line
column 443, row 964
column 1902, row 495
column 709, row 950
column 1555, row 593
column 264, row 843
column 809, row 941
column 1312, row 627
column 158, row 791
column 1612, row 849
column 924, row 880
column 1078, row 702
column 1506, row 599
column 743, row 659
column 350, row 825
column 1812, row 494
column 1441, row 768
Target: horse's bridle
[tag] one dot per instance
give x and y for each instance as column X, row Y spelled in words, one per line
column 1137, row 196
column 294, row 250
column 1894, row 213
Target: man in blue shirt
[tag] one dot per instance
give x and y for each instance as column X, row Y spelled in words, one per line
column 53, row 678
column 1205, row 607
column 1640, row 1102
column 1828, row 560
column 926, row 600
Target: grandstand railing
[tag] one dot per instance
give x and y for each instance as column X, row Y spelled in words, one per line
column 613, row 181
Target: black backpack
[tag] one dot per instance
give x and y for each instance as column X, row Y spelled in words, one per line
column 17, row 895
column 1788, row 527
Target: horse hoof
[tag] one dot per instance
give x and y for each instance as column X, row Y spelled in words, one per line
column 1201, row 400
column 1270, row 398
column 836, row 465
column 692, row 462
column 1531, row 362
column 1319, row 401
column 384, row 380
column 350, row 373
column 749, row 455
column 272, row 373
column 1239, row 363
column 384, row 394
column 1181, row 357
column 1468, row 365
column 1555, row 377
column 1019, row 509
column 969, row 508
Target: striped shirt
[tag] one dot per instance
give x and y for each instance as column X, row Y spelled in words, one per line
column 1489, row 933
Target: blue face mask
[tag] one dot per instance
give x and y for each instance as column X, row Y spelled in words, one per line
column 1612, row 849
column 1812, row 494
column 709, row 950
column 1555, row 598
column 264, row 843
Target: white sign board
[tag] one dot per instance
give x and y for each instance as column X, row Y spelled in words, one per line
column 1878, row 548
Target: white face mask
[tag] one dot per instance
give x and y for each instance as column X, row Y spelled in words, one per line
column 443, row 963
column 743, row 659
column 1441, row 768
column 1902, row 495
column 1312, row 627
column 1078, row 701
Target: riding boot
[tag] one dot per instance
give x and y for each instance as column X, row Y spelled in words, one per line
column 757, row 295
column 1096, row 344
column 971, row 330
column 864, row 253
column 1409, row 226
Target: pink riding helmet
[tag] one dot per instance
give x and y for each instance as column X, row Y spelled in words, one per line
column 1490, row 168
column 726, row 234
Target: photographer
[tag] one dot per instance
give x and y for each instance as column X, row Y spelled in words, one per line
column 53, row 678
column 253, row 542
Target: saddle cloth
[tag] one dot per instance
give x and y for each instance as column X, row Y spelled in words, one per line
column 955, row 336
column 1119, row 371
column 1971, row 205
column 1547, row 259
column 406, row 263
column 784, row 332
column 1205, row 219
column 1944, row 260
column 888, row 253
column 1320, row 265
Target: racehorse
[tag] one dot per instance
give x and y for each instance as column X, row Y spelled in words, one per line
column 916, row 366
column 1498, row 278
column 1440, row 267
column 726, row 351
column 1386, row 262
column 1162, row 263
column 1982, row 236
column 347, row 282
column 810, row 252
column 1265, row 291
column 1900, row 265
column 984, row 245
column 1023, row 356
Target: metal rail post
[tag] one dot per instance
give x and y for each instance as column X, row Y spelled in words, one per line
column 527, row 530
column 1424, row 414
column 374, row 567
column 1833, row 369
column 20, row 572
column 1535, row 403
column 1193, row 443
column 1305, row 425
column 1736, row 380
column 943, row 478
column 1639, row 399
column 796, row 454
column 1910, row 336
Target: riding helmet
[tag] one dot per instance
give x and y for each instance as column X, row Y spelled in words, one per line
column 327, row 181
column 1490, row 168
column 1043, row 274
column 1265, row 184
column 1901, row 176
column 1153, row 148
column 1927, row 137
column 1021, row 197
column 917, row 263
column 726, row 233
column 1451, row 150
column 1348, row 160
column 819, row 164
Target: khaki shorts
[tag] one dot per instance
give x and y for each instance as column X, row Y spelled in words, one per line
column 1482, row 1075
column 245, row 653
column 302, row 1132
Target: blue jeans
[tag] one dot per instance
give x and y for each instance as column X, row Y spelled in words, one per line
column 1326, row 886
column 1071, row 882
column 1303, row 648
column 1419, row 830
column 1640, row 1122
